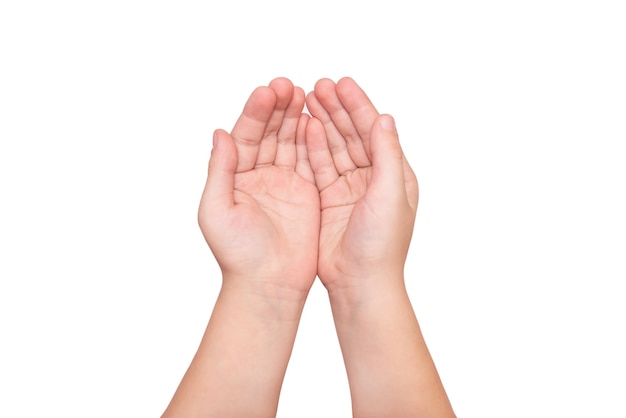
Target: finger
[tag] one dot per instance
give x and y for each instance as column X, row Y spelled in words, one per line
column 326, row 94
column 250, row 128
column 359, row 107
column 336, row 142
column 303, row 165
column 286, row 137
column 220, row 184
column 283, row 89
column 411, row 185
column 387, row 179
column 319, row 155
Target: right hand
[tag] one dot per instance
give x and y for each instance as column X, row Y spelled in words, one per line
column 260, row 212
column 368, row 192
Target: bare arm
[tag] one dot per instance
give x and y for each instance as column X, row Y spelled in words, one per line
column 369, row 196
column 260, row 216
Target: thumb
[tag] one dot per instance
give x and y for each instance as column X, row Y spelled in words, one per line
column 387, row 179
column 220, row 184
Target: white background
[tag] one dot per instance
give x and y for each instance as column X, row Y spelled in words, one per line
column 513, row 115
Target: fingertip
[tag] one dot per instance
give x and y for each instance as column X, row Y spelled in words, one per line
column 325, row 87
column 303, row 122
column 346, row 80
column 298, row 99
column 323, row 81
column 387, row 123
column 314, row 124
column 283, row 88
column 281, row 81
column 384, row 139
column 217, row 134
column 263, row 90
column 346, row 83
column 259, row 106
column 221, row 155
column 311, row 100
column 263, row 94
column 299, row 92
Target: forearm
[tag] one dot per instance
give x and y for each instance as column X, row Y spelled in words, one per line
column 390, row 370
column 240, row 365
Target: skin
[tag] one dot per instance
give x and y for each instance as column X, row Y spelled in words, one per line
column 368, row 198
column 259, row 213
column 289, row 197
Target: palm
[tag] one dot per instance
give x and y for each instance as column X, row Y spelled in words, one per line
column 260, row 209
column 277, row 214
column 342, row 206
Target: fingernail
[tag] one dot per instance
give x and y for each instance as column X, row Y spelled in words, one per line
column 388, row 123
column 214, row 138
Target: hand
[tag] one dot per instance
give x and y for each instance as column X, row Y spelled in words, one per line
column 259, row 212
column 260, row 215
column 368, row 192
column 368, row 196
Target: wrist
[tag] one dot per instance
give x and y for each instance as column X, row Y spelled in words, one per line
column 371, row 292
column 264, row 298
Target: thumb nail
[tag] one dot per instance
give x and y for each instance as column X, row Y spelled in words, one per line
column 388, row 123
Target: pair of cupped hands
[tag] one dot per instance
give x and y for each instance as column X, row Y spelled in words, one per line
column 291, row 195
